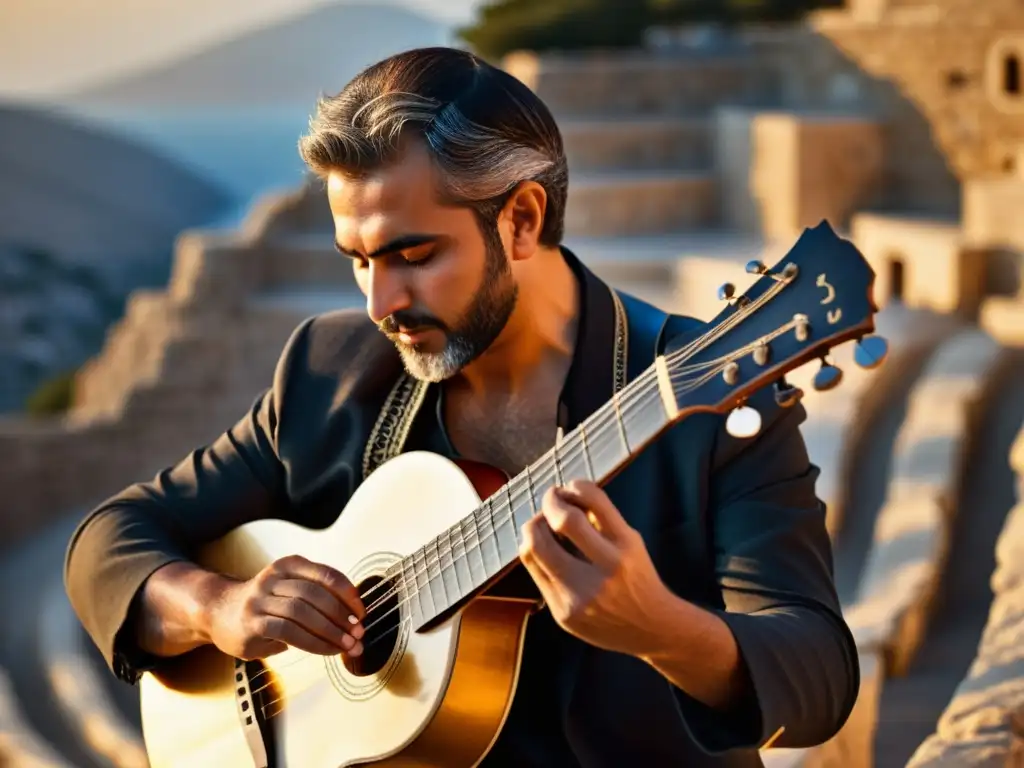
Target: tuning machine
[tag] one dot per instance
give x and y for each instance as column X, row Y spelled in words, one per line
column 828, row 376
column 727, row 293
column 870, row 352
column 786, row 395
column 743, row 421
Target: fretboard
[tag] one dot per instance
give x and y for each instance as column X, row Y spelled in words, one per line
column 464, row 558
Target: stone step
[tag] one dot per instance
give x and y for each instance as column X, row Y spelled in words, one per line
column 72, row 668
column 1003, row 318
column 638, row 143
column 20, row 745
column 619, row 203
column 643, row 83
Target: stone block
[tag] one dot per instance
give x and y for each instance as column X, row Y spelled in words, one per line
column 807, row 167
column 214, row 268
column 642, row 83
column 639, row 203
column 894, row 601
column 1003, row 319
column 921, row 263
column 298, row 260
column 992, row 213
column 737, row 196
column 978, row 727
column 649, row 143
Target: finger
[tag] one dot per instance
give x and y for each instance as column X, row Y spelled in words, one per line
column 304, row 624
column 561, row 567
column 298, row 567
column 322, row 600
column 545, row 583
column 606, row 516
column 568, row 520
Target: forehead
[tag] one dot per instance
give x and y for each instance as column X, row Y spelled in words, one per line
column 392, row 200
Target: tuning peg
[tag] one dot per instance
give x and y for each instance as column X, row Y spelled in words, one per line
column 827, row 377
column 786, row 395
column 743, row 421
column 756, row 267
column 870, row 352
column 727, row 293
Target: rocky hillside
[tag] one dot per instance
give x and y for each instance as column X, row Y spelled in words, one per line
column 85, row 218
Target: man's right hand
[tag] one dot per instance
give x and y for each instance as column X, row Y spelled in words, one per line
column 291, row 602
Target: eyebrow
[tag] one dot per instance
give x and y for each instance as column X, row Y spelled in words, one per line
column 398, row 244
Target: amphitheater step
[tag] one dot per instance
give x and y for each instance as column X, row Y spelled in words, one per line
column 980, row 492
column 80, row 684
column 637, row 143
column 25, row 574
column 1003, row 318
column 638, row 83
column 648, row 202
column 20, row 745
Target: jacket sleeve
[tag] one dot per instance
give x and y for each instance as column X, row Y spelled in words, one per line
column 773, row 566
column 236, row 479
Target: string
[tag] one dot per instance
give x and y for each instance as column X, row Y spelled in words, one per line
column 629, row 400
column 632, row 396
column 638, row 393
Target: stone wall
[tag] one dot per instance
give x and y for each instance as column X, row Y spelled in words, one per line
column 982, row 726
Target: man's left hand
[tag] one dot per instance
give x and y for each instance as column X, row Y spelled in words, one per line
column 612, row 599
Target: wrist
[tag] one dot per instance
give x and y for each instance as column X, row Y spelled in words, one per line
column 667, row 621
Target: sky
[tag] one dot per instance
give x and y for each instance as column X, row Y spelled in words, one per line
column 48, row 46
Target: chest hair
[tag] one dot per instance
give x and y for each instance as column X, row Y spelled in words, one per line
column 507, row 437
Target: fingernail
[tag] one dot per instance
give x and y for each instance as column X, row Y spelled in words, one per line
column 347, row 642
column 353, row 619
column 357, row 650
column 356, row 631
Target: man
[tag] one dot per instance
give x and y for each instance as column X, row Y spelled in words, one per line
column 693, row 617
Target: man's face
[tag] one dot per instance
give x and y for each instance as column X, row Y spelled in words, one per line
column 434, row 285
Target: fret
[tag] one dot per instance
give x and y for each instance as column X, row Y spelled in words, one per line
column 422, row 572
column 556, row 459
column 474, row 558
column 489, row 543
column 505, row 527
column 588, row 463
column 620, row 424
column 446, row 566
column 521, row 500
column 460, row 561
column 573, row 460
column 531, row 493
column 643, row 416
column 412, row 597
column 605, row 448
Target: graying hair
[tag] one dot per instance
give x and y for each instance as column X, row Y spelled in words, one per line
column 486, row 131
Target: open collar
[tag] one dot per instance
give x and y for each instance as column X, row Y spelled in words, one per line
column 590, row 382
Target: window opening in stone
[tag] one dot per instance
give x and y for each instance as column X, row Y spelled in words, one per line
column 1011, row 75
column 897, row 278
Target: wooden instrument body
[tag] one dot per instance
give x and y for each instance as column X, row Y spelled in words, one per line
column 441, row 699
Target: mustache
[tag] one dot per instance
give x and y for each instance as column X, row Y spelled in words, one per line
column 410, row 321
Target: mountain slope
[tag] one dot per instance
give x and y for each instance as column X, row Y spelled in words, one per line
column 291, row 62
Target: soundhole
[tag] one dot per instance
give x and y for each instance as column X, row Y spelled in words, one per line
column 380, row 597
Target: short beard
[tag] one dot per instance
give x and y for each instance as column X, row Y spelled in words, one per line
column 483, row 322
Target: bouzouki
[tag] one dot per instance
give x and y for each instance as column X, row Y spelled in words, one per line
column 442, row 652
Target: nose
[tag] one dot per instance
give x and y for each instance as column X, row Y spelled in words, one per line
column 386, row 292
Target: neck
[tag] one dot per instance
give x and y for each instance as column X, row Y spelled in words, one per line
column 463, row 560
column 538, row 342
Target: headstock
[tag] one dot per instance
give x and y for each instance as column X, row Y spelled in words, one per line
column 819, row 295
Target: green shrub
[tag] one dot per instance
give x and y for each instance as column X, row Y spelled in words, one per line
column 53, row 397
column 503, row 26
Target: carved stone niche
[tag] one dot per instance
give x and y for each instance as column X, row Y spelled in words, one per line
column 1004, row 74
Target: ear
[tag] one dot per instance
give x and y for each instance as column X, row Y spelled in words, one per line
column 524, row 216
